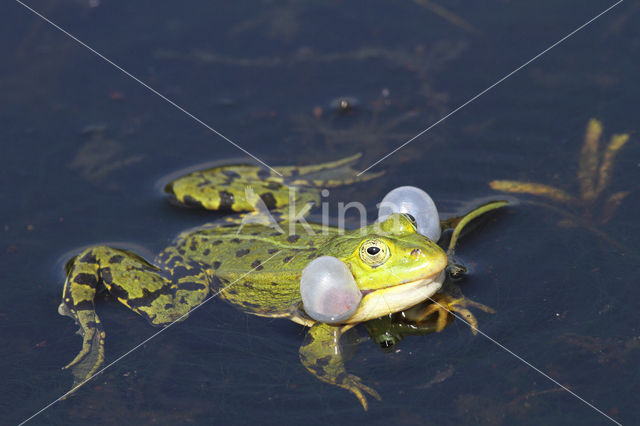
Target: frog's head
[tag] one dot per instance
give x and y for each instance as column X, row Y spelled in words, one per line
column 394, row 266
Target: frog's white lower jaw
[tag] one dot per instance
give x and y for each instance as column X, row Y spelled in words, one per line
column 397, row 298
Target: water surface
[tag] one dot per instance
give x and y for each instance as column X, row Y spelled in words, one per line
column 85, row 146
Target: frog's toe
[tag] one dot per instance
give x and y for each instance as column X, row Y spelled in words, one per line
column 354, row 385
column 443, row 305
column 468, row 317
column 86, row 348
column 91, row 356
column 86, row 364
column 460, row 306
column 443, row 315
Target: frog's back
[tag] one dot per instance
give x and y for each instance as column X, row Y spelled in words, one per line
column 258, row 268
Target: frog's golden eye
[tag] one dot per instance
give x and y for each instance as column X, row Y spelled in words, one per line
column 374, row 252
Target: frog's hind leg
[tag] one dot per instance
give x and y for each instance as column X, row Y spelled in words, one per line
column 78, row 296
column 327, row 175
column 231, row 188
column 237, row 188
column 160, row 295
column 322, row 355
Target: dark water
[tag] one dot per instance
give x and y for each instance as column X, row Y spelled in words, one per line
column 84, row 147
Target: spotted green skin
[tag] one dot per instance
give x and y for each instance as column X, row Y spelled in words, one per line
column 254, row 266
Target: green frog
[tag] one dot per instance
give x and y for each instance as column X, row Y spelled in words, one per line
column 254, row 261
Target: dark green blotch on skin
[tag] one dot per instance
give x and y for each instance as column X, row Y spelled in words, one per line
column 148, row 297
column 236, row 240
column 263, row 173
column 188, row 200
column 84, row 305
column 323, row 362
column 86, row 279
column 269, row 200
column 206, row 252
column 293, row 238
column 216, row 265
column 216, row 242
column 88, row 258
column 242, row 252
column 274, row 186
column 118, row 292
column 271, row 251
column 226, row 200
column 230, row 174
column 287, row 259
column 255, row 264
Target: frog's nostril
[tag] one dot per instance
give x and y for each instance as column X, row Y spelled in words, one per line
column 416, row 252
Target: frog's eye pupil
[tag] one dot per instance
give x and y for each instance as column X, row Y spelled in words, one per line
column 374, row 253
column 411, row 218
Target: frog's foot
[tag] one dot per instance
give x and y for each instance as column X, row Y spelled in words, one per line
column 92, row 344
column 354, row 385
column 89, row 360
column 77, row 302
column 444, row 305
column 322, row 355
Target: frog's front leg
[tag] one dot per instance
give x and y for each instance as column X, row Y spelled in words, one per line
column 444, row 305
column 322, row 355
column 389, row 330
column 162, row 295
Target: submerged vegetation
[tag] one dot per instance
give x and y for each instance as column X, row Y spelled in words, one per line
column 593, row 205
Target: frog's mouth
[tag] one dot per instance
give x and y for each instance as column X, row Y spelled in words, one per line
column 389, row 300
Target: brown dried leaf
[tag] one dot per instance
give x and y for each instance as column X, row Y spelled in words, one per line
column 532, row 188
column 588, row 165
column 606, row 168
